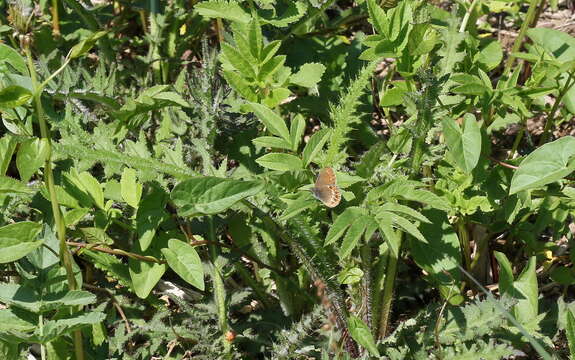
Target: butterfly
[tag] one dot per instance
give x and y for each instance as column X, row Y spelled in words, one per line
column 325, row 188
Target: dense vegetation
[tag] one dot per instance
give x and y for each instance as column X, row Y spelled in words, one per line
column 157, row 157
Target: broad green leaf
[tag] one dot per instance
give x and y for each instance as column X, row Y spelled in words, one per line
column 31, row 156
column 464, row 146
column 548, row 163
column 145, row 275
column 13, row 186
column 10, row 56
column 185, row 261
column 309, row 75
column 14, row 95
column 93, row 188
column 361, row 333
column 7, row 147
column 405, row 224
column 570, row 332
column 343, row 221
column 526, row 291
column 281, row 162
column 297, row 129
column 490, row 55
column 150, row 215
column 85, row 45
column 56, row 328
column 18, row 240
column 440, row 256
column 229, row 10
column 272, row 142
column 131, row 190
column 275, row 124
column 314, row 145
column 562, row 46
column 26, row 298
column 211, row 195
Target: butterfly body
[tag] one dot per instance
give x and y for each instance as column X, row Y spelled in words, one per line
column 325, row 188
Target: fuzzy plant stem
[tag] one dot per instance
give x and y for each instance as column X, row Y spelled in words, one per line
column 219, row 289
column 41, row 329
column 65, row 255
column 551, row 119
column 463, row 235
column 529, row 17
column 467, row 16
column 388, row 286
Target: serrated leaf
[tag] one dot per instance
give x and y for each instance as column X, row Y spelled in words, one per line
column 297, row 129
column 309, row 75
column 13, row 186
column 548, row 163
column 185, row 261
column 229, row 10
column 26, row 298
column 343, row 221
column 402, row 209
column 281, row 162
column 237, row 60
column 353, row 235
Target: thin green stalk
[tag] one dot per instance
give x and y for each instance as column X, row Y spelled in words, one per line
column 55, row 19
column 464, row 242
column 42, row 346
column 65, row 255
column 529, row 17
column 388, row 287
column 219, row 289
column 467, row 15
column 551, row 119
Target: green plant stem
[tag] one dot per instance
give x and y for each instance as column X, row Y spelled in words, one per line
column 219, row 289
column 55, row 19
column 388, row 286
column 464, row 242
column 65, row 255
column 551, row 119
column 529, row 17
column 42, row 346
column 467, row 15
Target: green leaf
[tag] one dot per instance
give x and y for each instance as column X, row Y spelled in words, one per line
column 13, row 186
column 548, row 163
column 7, row 147
column 570, row 332
column 14, row 95
column 343, row 221
column 131, row 190
column 314, row 145
column 404, row 224
column 31, row 156
column 309, row 75
column 272, row 142
column 10, row 56
column 295, row 207
column 56, row 328
column 185, row 261
column 525, row 290
column 361, row 333
column 27, row 299
column 464, row 146
column 402, row 209
column 229, row 10
column 440, row 256
column 281, row 162
column 145, row 275
column 297, row 129
column 18, row 240
column 275, row 124
column 505, row 273
column 270, row 67
column 237, row 60
column 351, row 238
column 490, row 55
column 85, row 45
column 211, row 195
